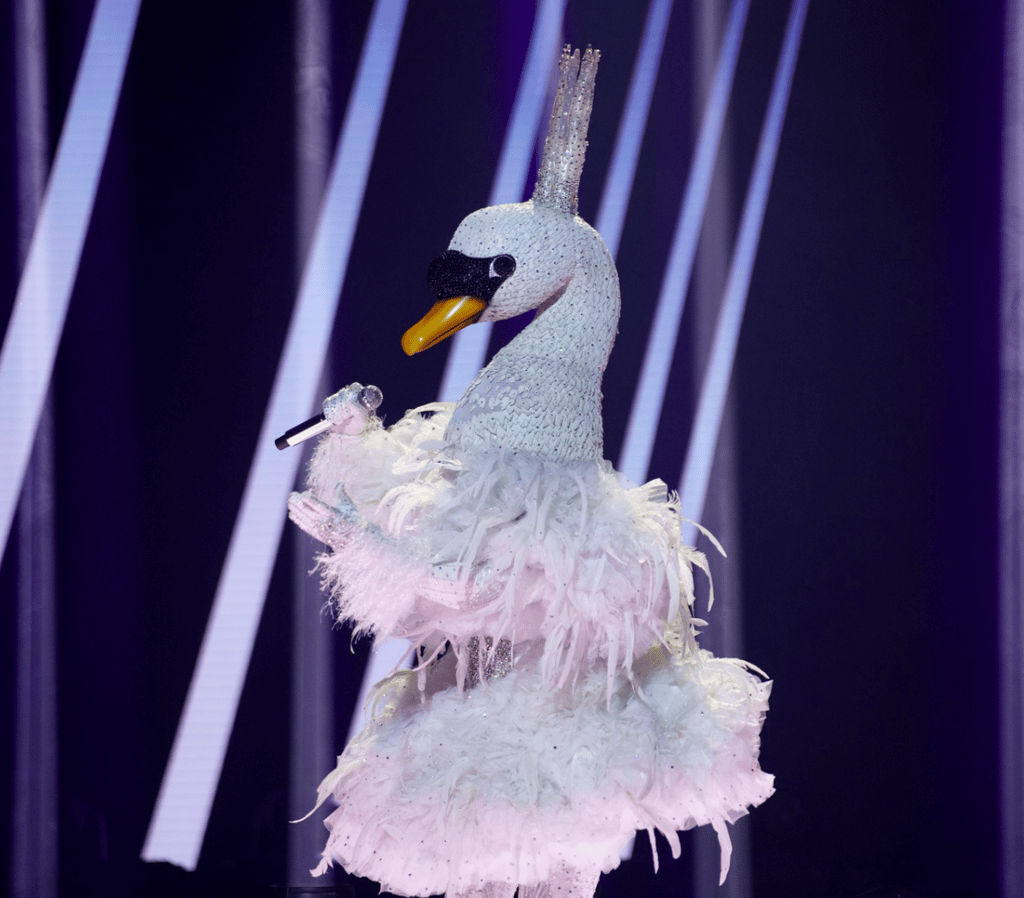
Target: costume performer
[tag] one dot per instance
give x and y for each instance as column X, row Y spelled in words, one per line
column 560, row 702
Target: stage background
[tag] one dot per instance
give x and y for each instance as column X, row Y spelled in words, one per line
column 864, row 397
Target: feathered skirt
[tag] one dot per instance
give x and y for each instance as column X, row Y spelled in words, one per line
column 604, row 717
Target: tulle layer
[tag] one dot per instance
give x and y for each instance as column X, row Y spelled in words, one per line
column 448, row 544
column 508, row 782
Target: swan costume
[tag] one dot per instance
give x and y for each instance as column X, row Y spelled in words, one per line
column 560, row 703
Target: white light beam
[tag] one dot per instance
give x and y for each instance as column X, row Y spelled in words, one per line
column 41, row 304
column 661, row 341
column 700, row 452
column 611, row 214
column 183, row 805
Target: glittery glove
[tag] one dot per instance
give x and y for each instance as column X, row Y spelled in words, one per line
column 351, row 408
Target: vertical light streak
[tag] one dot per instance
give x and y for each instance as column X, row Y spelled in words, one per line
column 721, row 513
column 183, row 805
column 34, row 815
column 32, row 138
column 650, row 393
column 312, row 743
column 466, row 357
column 41, row 304
column 697, row 468
column 1011, row 461
column 611, row 214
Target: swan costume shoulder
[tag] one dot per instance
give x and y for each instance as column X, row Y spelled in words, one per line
column 561, row 702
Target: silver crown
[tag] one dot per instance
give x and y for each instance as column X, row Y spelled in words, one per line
column 558, row 176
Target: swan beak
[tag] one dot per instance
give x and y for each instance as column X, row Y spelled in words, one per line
column 445, row 317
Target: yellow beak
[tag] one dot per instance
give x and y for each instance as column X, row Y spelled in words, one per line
column 445, row 317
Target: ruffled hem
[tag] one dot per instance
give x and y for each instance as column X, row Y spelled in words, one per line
column 445, row 544
column 509, row 783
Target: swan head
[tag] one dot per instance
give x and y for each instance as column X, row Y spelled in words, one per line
column 502, row 261
column 505, row 260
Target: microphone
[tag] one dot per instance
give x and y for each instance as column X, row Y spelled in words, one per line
column 302, row 432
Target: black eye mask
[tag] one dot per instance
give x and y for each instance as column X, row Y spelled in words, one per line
column 455, row 274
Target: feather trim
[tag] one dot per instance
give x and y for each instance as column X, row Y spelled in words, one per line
column 453, row 544
column 505, row 782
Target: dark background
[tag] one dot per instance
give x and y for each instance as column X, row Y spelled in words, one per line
column 865, row 388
